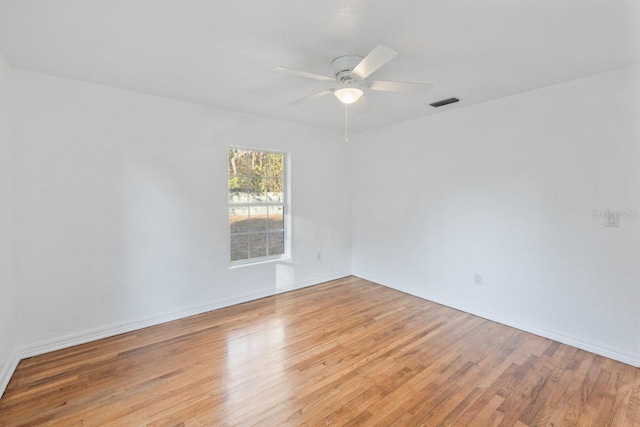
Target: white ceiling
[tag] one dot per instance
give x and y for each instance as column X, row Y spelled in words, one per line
column 220, row 53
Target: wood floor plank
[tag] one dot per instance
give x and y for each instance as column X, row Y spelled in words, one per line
column 344, row 353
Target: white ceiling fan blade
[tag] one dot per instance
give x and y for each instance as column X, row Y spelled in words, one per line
column 304, row 74
column 406, row 87
column 311, row 97
column 379, row 56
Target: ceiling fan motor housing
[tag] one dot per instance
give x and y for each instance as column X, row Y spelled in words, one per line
column 343, row 66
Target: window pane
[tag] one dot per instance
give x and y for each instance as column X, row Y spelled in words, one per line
column 238, row 189
column 239, row 247
column 257, row 189
column 276, row 243
column 257, row 163
column 239, row 220
column 258, row 218
column 275, row 165
column 238, row 164
column 275, row 190
column 276, row 218
column 258, row 245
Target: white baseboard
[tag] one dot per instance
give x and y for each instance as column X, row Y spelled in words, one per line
column 600, row 349
column 7, row 372
column 71, row 340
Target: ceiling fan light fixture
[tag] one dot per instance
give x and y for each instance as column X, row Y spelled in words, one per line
column 348, row 95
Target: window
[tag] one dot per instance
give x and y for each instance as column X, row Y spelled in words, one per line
column 257, row 204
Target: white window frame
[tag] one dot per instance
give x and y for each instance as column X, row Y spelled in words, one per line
column 286, row 212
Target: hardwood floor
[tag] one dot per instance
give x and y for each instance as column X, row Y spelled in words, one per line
column 346, row 352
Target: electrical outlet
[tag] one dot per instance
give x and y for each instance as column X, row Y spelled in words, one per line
column 477, row 279
column 319, row 256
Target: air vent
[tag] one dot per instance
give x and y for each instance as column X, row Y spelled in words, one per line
column 444, row 102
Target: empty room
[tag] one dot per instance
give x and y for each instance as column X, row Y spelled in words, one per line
column 320, row 213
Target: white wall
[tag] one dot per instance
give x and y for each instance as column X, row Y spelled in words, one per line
column 122, row 214
column 122, row 220
column 506, row 189
column 8, row 343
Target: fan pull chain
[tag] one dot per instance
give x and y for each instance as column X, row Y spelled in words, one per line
column 346, row 123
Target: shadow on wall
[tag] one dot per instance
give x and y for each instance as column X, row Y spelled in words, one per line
column 166, row 248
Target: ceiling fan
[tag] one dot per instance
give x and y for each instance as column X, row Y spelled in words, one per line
column 350, row 73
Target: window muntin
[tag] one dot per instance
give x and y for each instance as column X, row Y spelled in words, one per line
column 257, row 205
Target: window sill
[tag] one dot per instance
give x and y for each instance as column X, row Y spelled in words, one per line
column 257, row 261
